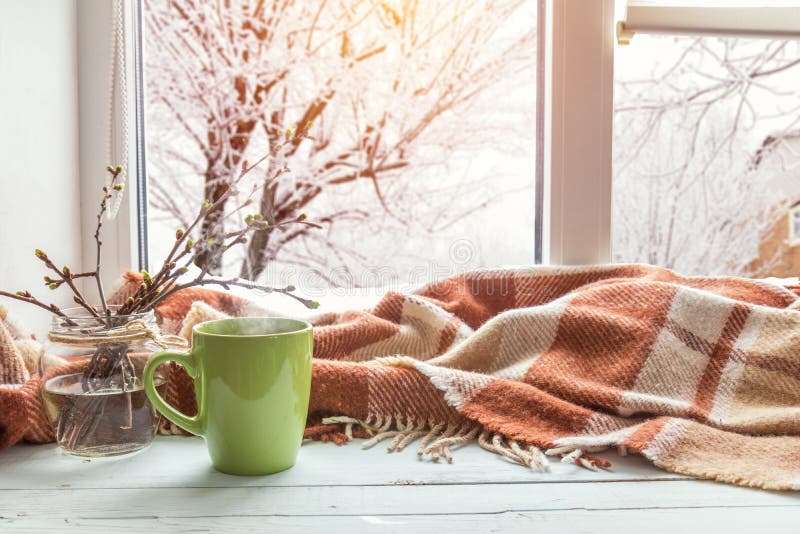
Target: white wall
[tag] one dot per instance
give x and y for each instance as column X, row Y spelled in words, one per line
column 39, row 189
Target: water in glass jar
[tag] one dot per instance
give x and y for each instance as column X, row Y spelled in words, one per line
column 104, row 422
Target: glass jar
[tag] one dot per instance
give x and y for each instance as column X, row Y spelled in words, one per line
column 93, row 391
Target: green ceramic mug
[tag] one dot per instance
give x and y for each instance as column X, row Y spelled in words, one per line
column 252, row 379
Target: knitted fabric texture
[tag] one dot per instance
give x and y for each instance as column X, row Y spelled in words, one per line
column 701, row 376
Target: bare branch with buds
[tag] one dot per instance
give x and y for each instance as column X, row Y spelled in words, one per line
column 186, row 251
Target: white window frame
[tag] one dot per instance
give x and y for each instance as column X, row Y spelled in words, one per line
column 579, row 81
column 578, row 131
column 579, row 101
column 120, row 251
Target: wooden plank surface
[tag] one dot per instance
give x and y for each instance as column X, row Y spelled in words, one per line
column 662, row 521
column 171, row 487
column 183, row 462
column 333, row 501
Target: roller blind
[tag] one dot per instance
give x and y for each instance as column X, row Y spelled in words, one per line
column 752, row 18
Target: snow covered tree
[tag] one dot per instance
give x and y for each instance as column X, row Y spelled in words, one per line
column 382, row 88
column 698, row 135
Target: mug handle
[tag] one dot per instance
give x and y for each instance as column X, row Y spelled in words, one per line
column 186, row 360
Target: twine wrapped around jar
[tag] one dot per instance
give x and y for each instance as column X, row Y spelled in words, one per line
column 133, row 330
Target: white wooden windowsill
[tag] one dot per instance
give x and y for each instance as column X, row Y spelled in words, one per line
column 172, row 487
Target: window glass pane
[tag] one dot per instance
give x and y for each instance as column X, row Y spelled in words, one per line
column 418, row 151
column 707, row 154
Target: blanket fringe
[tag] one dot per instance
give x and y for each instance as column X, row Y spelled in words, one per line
column 572, row 454
column 437, row 440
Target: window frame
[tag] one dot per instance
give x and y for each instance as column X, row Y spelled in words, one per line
column 140, row 160
column 578, row 131
column 573, row 179
column 121, row 236
column 578, row 137
column 542, row 217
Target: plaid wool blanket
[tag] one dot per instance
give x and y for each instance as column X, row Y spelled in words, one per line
column 701, row 376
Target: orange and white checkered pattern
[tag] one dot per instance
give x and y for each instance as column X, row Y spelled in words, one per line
column 700, row 375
